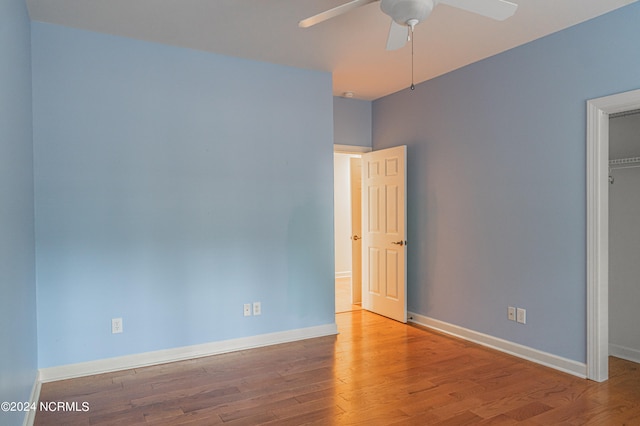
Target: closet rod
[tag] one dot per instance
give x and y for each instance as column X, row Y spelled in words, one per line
column 630, row 166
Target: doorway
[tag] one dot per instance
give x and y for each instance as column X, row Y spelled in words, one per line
column 347, row 283
column 597, row 180
column 624, row 235
column 378, row 234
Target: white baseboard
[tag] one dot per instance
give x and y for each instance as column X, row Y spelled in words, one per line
column 178, row 354
column 30, row 415
column 343, row 274
column 623, row 352
column 549, row 360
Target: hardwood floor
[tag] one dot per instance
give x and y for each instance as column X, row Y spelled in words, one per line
column 343, row 296
column 375, row 372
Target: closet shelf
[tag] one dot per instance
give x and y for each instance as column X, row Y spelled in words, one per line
column 624, row 163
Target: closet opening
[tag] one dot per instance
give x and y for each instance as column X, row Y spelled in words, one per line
column 598, row 183
column 624, row 234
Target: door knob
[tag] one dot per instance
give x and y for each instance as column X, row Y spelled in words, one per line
column 400, row 243
column 355, row 238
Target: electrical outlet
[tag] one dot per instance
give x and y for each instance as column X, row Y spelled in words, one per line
column 521, row 315
column 257, row 308
column 511, row 313
column 116, row 325
column 247, row 309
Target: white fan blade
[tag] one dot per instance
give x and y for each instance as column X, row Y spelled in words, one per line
column 398, row 35
column 332, row 13
column 495, row 9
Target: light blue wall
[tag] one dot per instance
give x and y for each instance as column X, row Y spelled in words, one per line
column 351, row 122
column 496, row 181
column 172, row 187
column 18, row 344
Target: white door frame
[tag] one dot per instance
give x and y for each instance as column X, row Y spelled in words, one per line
column 351, row 149
column 598, row 111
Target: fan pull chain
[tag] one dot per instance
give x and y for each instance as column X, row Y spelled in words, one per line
column 412, row 85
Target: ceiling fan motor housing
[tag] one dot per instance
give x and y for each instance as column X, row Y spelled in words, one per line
column 403, row 11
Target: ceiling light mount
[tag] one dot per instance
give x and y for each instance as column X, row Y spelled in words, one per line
column 405, row 11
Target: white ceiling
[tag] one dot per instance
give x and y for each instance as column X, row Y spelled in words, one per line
column 351, row 46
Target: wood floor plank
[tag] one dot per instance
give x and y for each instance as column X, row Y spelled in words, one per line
column 375, row 372
column 527, row 411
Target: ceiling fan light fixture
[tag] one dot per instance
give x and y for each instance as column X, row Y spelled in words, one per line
column 404, row 11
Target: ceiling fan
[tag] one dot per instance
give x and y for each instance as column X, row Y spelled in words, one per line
column 406, row 14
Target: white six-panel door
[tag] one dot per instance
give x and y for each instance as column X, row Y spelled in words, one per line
column 384, row 232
